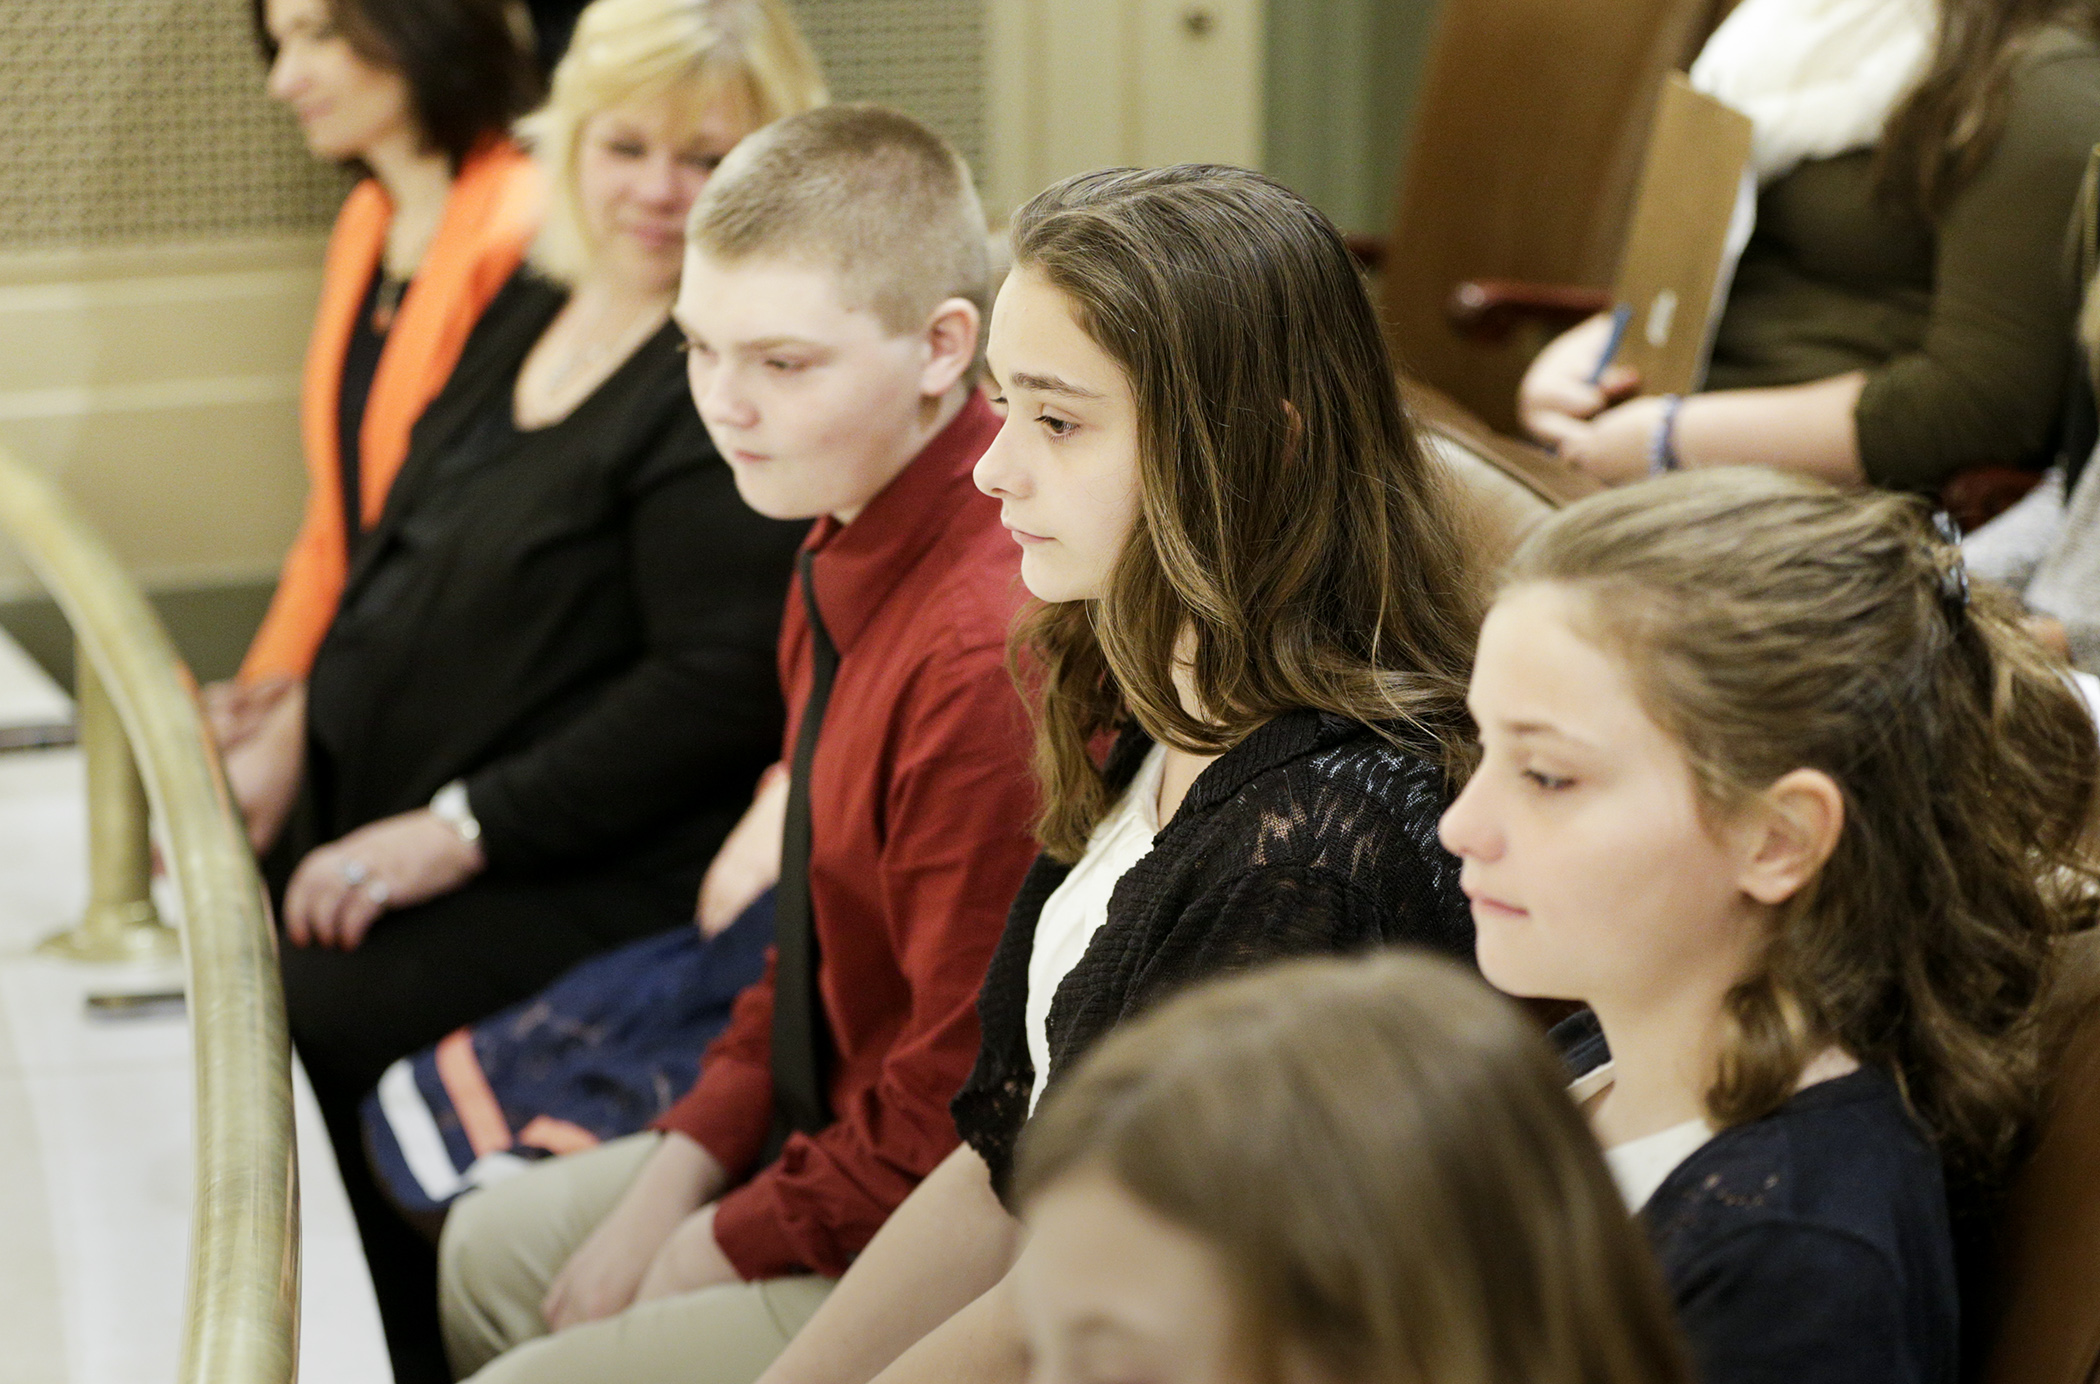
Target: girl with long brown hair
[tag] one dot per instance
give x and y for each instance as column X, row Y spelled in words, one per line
column 1360, row 1172
column 1250, row 580
column 1900, row 312
column 1798, row 813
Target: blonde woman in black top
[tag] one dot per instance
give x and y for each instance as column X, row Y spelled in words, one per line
column 549, row 685
column 1248, row 577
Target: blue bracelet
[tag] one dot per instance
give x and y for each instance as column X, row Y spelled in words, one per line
column 1662, row 446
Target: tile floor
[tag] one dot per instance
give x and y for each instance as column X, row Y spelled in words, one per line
column 95, row 1127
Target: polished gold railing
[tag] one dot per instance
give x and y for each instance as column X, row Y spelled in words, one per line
column 243, row 1293
column 121, row 922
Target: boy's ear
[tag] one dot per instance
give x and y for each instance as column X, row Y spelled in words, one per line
column 1790, row 832
column 951, row 341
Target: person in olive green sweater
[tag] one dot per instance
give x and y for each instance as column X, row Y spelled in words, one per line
column 1903, row 309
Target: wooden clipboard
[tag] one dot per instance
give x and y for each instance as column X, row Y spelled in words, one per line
column 1670, row 278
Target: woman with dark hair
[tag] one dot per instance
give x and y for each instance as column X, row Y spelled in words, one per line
column 1801, row 817
column 1902, row 310
column 417, row 95
column 1248, row 576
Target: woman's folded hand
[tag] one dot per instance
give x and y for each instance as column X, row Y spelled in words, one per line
column 266, row 752
column 342, row 888
column 235, row 711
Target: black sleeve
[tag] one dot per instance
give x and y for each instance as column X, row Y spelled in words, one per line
column 1267, row 913
column 1401, row 891
column 703, row 703
column 1782, row 1303
column 1321, row 873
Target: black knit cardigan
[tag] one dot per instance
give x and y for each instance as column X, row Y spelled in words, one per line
column 1314, row 834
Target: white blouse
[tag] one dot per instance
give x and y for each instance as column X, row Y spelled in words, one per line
column 1075, row 911
column 1639, row 1166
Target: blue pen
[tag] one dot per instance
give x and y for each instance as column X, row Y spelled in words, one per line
column 1620, row 316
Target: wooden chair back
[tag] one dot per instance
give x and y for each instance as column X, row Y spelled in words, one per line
column 1526, row 148
column 2046, row 1325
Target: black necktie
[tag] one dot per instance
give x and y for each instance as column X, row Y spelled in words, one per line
column 799, row 1039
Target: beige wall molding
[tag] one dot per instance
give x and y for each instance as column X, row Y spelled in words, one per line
column 159, row 385
column 19, row 405
column 146, row 290
column 299, row 250
column 1079, row 84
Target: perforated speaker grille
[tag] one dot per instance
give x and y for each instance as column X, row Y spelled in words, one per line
column 925, row 57
column 141, row 121
column 144, row 121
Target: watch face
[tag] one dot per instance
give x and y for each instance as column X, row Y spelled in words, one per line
column 452, row 808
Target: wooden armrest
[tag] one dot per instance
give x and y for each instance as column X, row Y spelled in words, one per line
column 1490, row 309
column 1545, row 475
column 1978, row 494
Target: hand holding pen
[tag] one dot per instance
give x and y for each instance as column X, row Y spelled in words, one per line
column 1576, row 378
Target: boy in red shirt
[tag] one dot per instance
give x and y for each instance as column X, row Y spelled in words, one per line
column 833, row 291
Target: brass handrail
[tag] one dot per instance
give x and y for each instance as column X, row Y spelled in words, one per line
column 121, row 922
column 243, row 1294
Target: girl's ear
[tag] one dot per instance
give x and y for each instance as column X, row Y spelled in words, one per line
column 1789, row 833
column 951, row 345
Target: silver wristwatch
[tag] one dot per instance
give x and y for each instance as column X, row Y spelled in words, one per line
column 452, row 808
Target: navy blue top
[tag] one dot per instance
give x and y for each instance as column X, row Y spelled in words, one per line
column 1811, row 1246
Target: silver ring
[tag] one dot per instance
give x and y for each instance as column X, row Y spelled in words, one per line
column 378, row 891
column 355, row 872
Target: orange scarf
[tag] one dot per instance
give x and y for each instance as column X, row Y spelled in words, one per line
column 490, row 217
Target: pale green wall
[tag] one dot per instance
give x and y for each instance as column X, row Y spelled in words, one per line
column 1342, row 77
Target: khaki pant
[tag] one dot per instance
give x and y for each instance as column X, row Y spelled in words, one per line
column 504, row 1245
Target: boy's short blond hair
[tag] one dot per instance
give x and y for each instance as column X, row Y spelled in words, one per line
column 861, row 189
column 690, row 50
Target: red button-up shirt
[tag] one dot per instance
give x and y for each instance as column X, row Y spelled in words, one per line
column 920, row 805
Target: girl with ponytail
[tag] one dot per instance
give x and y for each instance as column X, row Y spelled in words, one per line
column 1799, row 814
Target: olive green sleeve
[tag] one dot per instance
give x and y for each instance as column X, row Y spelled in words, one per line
column 1986, row 385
